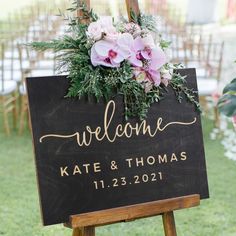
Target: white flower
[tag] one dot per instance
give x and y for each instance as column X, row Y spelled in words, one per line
column 94, row 31
column 111, row 34
column 166, row 76
column 103, row 27
column 105, row 22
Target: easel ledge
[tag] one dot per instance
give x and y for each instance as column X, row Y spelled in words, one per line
column 84, row 224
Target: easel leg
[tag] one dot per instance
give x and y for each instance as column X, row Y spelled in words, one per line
column 169, row 223
column 86, row 231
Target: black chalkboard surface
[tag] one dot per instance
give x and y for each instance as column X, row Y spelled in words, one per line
column 89, row 158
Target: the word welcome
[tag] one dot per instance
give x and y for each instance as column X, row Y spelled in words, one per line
column 127, row 130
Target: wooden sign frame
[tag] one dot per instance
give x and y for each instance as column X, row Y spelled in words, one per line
column 82, row 201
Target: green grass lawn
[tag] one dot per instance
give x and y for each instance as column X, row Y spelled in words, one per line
column 20, row 213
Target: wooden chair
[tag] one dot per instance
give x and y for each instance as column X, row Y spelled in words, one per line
column 35, row 69
column 24, row 56
column 209, row 68
column 8, row 96
column 210, row 63
column 214, row 66
column 11, row 61
column 24, row 114
column 196, row 52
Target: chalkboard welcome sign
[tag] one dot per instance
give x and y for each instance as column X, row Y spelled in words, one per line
column 89, row 158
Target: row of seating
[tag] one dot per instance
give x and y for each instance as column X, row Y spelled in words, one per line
column 191, row 44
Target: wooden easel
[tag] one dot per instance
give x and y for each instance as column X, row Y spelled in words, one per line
column 84, row 224
column 131, row 5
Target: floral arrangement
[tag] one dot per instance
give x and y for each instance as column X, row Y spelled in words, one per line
column 104, row 59
column 111, row 47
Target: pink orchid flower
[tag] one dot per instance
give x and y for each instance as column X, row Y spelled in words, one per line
column 154, row 56
column 107, row 53
column 141, row 77
column 149, row 58
column 144, row 76
column 154, row 76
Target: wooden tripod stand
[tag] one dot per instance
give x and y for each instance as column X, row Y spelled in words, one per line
column 84, row 224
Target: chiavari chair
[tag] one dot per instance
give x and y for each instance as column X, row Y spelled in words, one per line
column 8, row 97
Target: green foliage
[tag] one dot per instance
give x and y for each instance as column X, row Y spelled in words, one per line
column 165, row 44
column 182, row 91
column 81, row 6
column 227, row 103
column 148, row 22
column 134, row 17
column 104, row 83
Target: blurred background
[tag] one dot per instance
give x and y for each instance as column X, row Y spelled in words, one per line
column 203, row 36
